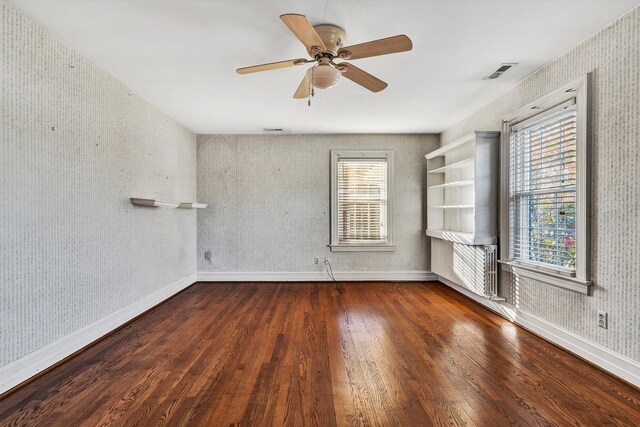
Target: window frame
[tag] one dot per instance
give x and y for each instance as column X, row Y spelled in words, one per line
column 387, row 155
column 577, row 90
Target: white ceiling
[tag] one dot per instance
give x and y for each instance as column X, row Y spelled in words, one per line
column 181, row 56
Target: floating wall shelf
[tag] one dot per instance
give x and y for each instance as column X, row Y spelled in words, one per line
column 153, row 202
column 192, row 205
column 156, row 203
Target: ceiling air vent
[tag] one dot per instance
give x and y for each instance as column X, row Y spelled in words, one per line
column 500, row 71
column 276, row 130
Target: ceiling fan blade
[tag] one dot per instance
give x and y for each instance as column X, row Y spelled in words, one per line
column 386, row 46
column 304, row 89
column 303, row 30
column 271, row 66
column 363, row 78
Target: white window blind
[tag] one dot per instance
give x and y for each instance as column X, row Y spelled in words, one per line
column 362, row 201
column 542, row 187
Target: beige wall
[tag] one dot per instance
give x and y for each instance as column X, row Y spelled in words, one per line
column 269, row 202
column 75, row 144
column 613, row 56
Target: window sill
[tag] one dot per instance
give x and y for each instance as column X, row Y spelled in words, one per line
column 555, row 279
column 362, row 248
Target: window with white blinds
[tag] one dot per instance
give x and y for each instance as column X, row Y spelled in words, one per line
column 542, row 189
column 362, row 201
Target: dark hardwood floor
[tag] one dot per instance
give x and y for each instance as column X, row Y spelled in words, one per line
column 405, row 354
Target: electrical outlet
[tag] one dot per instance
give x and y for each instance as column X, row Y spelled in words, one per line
column 603, row 321
column 207, row 255
column 326, row 261
column 316, row 260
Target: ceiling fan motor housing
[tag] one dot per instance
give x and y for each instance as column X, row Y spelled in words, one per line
column 333, row 37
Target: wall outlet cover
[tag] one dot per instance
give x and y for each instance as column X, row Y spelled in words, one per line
column 603, row 321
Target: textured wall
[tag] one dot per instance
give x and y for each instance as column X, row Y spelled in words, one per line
column 613, row 55
column 269, row 202
column 75, row 145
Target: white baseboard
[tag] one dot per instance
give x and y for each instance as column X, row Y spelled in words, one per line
column 24, row 368
column 612, row 362
column 314, row 276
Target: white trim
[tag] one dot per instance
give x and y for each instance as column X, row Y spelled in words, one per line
column 494, row 306
column 549, row 101
column 544, row 275
column 610, row 361
column 335, row 246
column 583, row 156
column 548, row 112
column 313, row 276
column 27, row 366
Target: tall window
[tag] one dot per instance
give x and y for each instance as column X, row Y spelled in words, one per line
column 543, row 188
column 361, row 200
column 545, row 174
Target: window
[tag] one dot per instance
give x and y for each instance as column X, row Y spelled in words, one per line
column 361, row 203
column 542, row 182
column 544, row 197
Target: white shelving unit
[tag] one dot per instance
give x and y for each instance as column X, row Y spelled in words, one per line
column 462, row 190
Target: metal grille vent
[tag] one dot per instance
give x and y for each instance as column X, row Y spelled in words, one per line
column 500, row 71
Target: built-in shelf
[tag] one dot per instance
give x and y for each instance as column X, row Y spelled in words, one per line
column 465, row 163
column 462, row 183
column 460, row 237
column 448, row 148
column 157, row 203
column 462, row 190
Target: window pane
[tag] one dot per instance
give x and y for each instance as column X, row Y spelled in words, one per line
column 543, row 190
column 544, row 229
column 362, row 201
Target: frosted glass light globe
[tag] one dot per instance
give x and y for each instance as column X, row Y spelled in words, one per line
column 324, row 76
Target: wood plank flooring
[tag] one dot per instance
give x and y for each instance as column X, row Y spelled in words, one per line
column 304, row 354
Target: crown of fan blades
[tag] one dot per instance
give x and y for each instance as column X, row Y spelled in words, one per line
column 384, row 46
column 300, row 26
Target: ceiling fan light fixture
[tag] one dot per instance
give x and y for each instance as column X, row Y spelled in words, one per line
column 324, row 43
column 324, row 76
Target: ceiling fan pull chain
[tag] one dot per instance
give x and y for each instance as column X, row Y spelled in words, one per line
column 311, row 93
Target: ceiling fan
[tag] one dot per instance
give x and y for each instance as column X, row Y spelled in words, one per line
column 324, row 43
